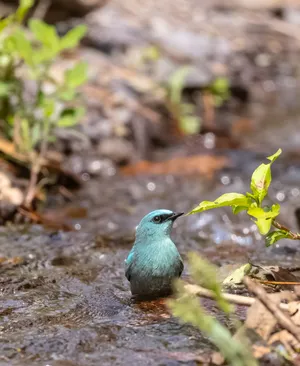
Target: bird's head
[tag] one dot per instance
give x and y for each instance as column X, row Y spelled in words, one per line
column 156, row 224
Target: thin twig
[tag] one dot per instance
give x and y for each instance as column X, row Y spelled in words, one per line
column 292, row 235
column 283, row 319
column 36, row 165
column 34, row 173
column 232, row 298
column 282, row 283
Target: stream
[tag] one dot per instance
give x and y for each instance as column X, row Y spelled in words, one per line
column 65, row 299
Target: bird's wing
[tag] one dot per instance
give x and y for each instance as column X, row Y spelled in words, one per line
column 128, row 262
column 181, row 267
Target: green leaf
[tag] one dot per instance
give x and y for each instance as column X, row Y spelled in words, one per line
column 236, row 277
column 274, row 236
column 264, row 218
column 227, row 199
column 261, row 178
column 190, row 124
column 220, row 86
column 176, row 83
column 10, row 120
column 70, row 117
column 268, row 213
column 205, row 274
column 5, row 62
column 24, row 7
column 22, row 46
column 264, row 225
column 6, row 22
column 250, row 195
column 46, row 34
column 25, row 133
column 48, row 107
column 238, row 209
column 77, row 75
column 43, row 55
column 36, row 134
column 67, row 94
column 9, row 47
column 73, row 37
column 6, row 89
column 220, row 89
column 273, row 157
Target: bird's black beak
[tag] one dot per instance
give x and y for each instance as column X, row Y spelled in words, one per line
column 175, row 215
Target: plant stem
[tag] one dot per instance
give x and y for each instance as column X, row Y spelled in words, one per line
column 34, row 172
column 232, row 298
column 36, row 165
column 292, row 235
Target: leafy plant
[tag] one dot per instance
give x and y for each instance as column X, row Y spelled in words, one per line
column 29, row 118
column 188, row 308
column 252, row 202
column 219, row 89
column 189, row 123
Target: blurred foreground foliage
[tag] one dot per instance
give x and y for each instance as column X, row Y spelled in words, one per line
column 187, row 307
column 33, row 103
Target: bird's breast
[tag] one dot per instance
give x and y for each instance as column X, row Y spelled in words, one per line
column 158, row 261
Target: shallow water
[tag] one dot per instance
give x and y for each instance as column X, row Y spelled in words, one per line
column 65, row 299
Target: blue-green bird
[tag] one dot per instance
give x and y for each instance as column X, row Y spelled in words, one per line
column 154, row 261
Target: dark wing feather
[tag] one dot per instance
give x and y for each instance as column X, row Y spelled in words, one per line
column 128, row 264
column 181, row 267
column 128, row 272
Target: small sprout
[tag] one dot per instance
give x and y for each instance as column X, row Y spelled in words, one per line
column 220, row 90
column 189, row 123
column 261, row 178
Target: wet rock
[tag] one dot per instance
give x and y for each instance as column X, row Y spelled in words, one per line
column 96, row 127
column 197, row 77
column 79, row 7
column 72, row 140
column 117, row 149
column 187, row 45
column 106, row 34
column 292, row 15
column 9, row 194
column 90, row 165
column 7, row 211
column 55, row 10
column 102, row 167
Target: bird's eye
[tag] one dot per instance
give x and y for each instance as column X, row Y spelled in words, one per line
column 157, row 219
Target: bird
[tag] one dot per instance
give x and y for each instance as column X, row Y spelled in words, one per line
column 154, row 261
